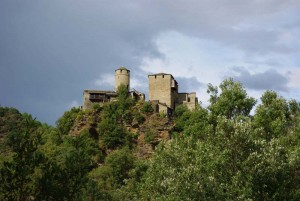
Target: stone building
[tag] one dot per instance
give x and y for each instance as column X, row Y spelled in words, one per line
column 122, row 77
column 163, row 92
column 164, row 95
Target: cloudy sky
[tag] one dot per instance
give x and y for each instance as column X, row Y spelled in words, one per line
column 50, row 51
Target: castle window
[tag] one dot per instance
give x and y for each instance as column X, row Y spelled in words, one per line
column 189, row 99
column 97, row 97
column 163, row 76
column 155, row 76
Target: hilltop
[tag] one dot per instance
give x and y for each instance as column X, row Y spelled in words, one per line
column 125, row 150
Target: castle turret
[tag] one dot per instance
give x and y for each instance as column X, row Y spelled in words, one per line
column 122, row 76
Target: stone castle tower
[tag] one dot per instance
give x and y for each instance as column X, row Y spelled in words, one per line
column 163, row 93
column 163, row 87
column 122, row 76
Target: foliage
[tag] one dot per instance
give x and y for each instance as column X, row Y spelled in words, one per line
column 149, row 136
column 231, row 165
column 272, row 115
column 232, row 101
column 112, row 135
column 42, row 168
column 218, row 153
column 147, row 108
column 180, row 110
column 115, row 171
column 65, row 123
column 139, row 118
column 18, row 174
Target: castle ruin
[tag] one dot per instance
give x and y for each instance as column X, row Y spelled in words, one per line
column 122, row 77
column 163, row 92
column 164, row 95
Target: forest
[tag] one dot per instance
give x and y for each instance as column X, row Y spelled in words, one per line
column 237, row 148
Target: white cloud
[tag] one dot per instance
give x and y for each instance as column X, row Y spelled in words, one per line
column 211, row 62
column 105, row 81
column 199, row 38
column 294, row 77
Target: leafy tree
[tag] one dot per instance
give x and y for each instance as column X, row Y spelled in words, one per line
column 232, row 164
column 112, row 135
column 18, row 174
column 272, row 115
column 232, row 101
column 189, row 123
column 65, row 123
column 115, row 171
column 79, row 161
column 93, row 192
column 180, row 110
column 123, row 98
column 147, row 108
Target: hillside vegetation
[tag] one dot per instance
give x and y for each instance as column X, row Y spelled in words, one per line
column 123, row 151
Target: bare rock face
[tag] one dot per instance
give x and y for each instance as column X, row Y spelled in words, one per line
column 149, row 134
column 155, row 129
column 86, row 122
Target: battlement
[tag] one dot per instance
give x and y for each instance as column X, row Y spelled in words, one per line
column 164, row 88
column 122, row 77
column 163, row 92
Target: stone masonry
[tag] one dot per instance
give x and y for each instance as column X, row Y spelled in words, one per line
column 163, row 89
column 122, row 77
column 163, row 92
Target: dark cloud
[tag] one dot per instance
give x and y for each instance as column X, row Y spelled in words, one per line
column 268, row 80
column 189, row 84
column 51, row 50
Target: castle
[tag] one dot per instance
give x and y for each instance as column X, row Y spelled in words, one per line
column 163, row 92
column 122, row 77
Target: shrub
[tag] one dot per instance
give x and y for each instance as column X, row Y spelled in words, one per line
column 147, row 108
column 149, row 136
column 139, row 118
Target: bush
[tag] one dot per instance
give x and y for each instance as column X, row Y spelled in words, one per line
column 139, row 118
column 65, row 123
column 96, row 106
column 149, row 136
column 128, row 117
column 147, row 108
column 179, row 110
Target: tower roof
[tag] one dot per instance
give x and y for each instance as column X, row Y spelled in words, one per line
column 122, row 68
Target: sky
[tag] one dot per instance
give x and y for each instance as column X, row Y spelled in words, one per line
column 51, row 50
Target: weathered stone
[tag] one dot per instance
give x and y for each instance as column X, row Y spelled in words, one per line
column 163, row 93
column 122, row 77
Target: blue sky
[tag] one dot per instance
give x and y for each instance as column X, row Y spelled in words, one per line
column 50, row 51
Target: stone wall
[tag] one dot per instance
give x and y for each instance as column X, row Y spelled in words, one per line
column 160, row 88
column 91, row 97
column 122, row 76
column 164, row 89
column 192, row 101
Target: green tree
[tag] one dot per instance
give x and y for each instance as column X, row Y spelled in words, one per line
column 78, row 163
column 65, row 123
column 272, row 115
column 112, row 135
column 115, row 172
column 147, row 108
column 18, row 174
column 191, row 122
column 232, row 101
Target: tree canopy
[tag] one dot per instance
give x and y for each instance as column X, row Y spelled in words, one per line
column 230, row 150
